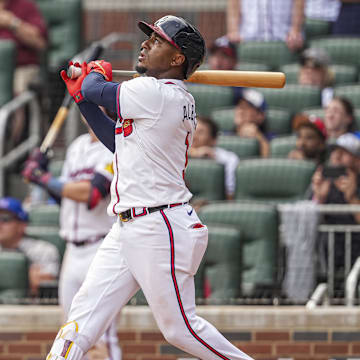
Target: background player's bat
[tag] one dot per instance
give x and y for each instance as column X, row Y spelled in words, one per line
column 93, row 52
column 266, row 79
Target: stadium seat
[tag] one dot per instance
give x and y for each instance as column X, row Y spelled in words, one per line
column 343, row 74
column 342, row 50
column 258, row 224
column 272, row 53
column 205, row 179
column 221, row 265
column 242, row 147
column 273, row 180
column 48, row 233
column 208, row 97
column 64, row 23
column 7, row 67
column 282, row 145
column 14, row 276
column 317, row 111
column 351, row 92
column 251, row 66
column 278, row 121
column 44, row 215
column 316, row 28
column 293, row 97
column 55, row 167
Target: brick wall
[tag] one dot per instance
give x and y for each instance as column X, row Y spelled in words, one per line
column 266, row 333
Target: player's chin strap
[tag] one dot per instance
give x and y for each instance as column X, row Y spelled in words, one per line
column 64, row 347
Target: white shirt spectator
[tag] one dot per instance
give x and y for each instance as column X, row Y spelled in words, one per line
column 230, row 162
column 326, row 10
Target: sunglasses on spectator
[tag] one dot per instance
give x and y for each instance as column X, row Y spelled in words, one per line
column 5, row 218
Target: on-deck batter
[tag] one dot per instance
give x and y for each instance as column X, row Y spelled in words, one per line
column 158, row 240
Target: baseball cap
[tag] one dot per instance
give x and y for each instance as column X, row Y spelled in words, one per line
column 315, row 57
column 254, row 98
column 349, row 142
column 315, row 122
column 225, row 45
column 13, row 205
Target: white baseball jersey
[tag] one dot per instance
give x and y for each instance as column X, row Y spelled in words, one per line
column 83, row 159
column 147, row 172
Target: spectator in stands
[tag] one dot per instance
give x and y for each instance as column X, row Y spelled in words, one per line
column 267, row 20
column 310, row 139
column 340, row 184
column 315, row 71
column 43, row 256
column 347, row 22
column 250, row 115
column 339, row 117
column 204, row 146
column 223, row 56
column 23, row 23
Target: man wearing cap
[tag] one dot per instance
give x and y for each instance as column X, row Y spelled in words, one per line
column 250, row 113
column 223, row 56
column 341, row 188
column 43, row 256
column 314, row 71
column 310, row 139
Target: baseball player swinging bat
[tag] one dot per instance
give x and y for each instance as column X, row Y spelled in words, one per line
column 266, row 79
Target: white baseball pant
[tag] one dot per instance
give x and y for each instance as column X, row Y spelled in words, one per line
column 74, row 268
column 160, row 253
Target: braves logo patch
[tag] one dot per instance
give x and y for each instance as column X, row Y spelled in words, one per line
column 128, row 127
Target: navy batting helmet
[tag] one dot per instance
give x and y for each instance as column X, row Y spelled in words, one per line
column 183, row 36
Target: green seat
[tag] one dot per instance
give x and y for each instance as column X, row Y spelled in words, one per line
column 48, row 233
column 208, row 97
column 14, row 276
column 357, row 119
column 55, row 167
column 224, row 118
column 7, row 67
column 221, row 265
column 258, row 224
column 341, row 49
column 293, row 97
column 44, row 215
column 282, row 145
column 278, row 121
column 242, row 147
column 272, row 53
column 317, row 111
column 205, row 179
column 273, row 180
column 64, row 21
column 315, row 28
column 343, row 74
column 351, row 92
column 250, row 66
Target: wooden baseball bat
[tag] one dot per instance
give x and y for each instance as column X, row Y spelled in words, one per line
column 265, row 79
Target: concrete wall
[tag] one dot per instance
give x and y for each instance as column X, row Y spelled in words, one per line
column 26, row 332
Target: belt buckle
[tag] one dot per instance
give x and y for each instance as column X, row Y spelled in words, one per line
column 123, row 219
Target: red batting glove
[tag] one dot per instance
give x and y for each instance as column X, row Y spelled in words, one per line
column 34, row 173
column 74, row 85
column 102, row 67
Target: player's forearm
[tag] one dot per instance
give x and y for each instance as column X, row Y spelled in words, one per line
column 298, row 15
column 97, row 90
column 233, row 16
column 77, row 191
column 29, row 35
column 102, row 125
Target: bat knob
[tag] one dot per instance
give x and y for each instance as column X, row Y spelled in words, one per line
column 73, row 72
